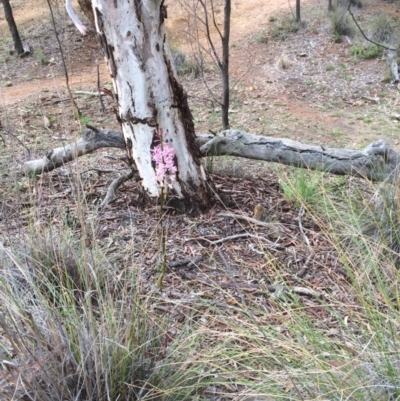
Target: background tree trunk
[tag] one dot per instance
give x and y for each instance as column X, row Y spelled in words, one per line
column 225, row 64
column 298, row 16
column 133, row 38
column 19, row 48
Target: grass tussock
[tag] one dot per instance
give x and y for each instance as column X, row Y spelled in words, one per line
column 280, row 29
column 71, row 328
column 74, row 331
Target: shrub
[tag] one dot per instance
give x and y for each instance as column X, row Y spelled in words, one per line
column 262, row 37
column 366, row 52
column 182, row 64
column 342, row 25
column 280, row 29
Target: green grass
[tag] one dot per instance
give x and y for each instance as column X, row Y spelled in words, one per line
column 300, row 187
column 366, row 52
column 85, row 120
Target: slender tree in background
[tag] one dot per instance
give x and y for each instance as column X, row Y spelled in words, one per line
column 19, row 48
column 298, row 16
column 202, row 20
column 150, row 99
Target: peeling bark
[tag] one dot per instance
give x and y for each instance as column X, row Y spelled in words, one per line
column 134, row 42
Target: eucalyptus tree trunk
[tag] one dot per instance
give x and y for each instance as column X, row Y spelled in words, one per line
column 150, row 99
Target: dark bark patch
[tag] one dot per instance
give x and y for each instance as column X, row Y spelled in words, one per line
column 181, row 103
column 138, row 10
column 86, row 6
column 163, row 12
column 110, row 56
column 129, row 145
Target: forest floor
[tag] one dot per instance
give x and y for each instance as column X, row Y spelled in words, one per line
column 321, row 96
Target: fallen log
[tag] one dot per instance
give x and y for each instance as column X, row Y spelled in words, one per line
column 378, row 161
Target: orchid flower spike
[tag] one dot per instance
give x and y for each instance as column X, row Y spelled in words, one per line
column 163, row 156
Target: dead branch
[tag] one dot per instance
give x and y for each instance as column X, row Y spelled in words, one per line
column 90, row 141
column 378, row 161
column 113, row 188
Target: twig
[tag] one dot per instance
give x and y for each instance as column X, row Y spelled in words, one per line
column 99, row 93
column 274, row 226
column 303, row 270
column 228, row 271
column 99, row 171
column 189, row 263
column 74, row 105
column 113, row 188
column 18, row 140
column 232, row 237
column 301, row 212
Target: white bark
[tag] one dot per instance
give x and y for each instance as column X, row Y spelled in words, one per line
column 133, row 38
column 90, row 141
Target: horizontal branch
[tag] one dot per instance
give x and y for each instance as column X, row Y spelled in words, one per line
column 377, row 161
column 90, row 141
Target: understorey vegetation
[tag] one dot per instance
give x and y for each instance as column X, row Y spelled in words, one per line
column 286, row 289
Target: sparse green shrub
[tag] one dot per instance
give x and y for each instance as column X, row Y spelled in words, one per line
column 111, row 345
column 280, row 29
column 387, row 78
column 381, row 219
column 262, row 37
column 366, row 52
column 382, row 29
column 342, row 24
column 40, row 56
column 182, row 64
column 85, row 120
